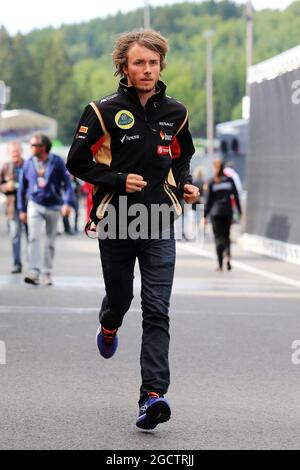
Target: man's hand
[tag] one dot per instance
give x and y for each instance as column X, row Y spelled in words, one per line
column 191, row 193
column 65, row 210
column 23, row 217
column 135, row 183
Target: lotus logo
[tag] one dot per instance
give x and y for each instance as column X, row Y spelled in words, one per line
column 125, row 119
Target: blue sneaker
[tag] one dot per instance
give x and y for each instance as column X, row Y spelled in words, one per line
column 155, row 410
column 107, row 342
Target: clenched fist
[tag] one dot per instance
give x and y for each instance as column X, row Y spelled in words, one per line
column 135, row 183
column 191, row 193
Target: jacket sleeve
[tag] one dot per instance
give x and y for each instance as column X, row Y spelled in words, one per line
column 182, row 150
column 208, row 201
column 89, row 138
column 3, row 179
column 236, row 196
column 22, row 190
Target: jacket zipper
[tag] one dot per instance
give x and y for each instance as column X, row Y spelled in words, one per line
column 143, row 195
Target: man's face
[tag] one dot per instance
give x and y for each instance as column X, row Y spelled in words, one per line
column 15, row 152
column 143, row 68
column 37, row 148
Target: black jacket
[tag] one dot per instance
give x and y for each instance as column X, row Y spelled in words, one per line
column 117, row 136
column 218, row 200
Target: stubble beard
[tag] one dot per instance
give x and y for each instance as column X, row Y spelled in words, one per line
column 144, row 89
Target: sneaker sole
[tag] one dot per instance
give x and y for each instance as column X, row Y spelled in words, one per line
column 159, row 412
column 28, row 280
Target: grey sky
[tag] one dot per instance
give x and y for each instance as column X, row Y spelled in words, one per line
column 18, row 15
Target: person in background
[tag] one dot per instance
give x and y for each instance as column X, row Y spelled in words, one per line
column 218, row 205
column 198, row 179
column 229, row 170
column 42, row 184
column 10, row 176
column 188, row 225
column 77, row 188
column 87, row 189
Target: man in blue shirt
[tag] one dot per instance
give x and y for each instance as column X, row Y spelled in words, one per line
column 45, row 191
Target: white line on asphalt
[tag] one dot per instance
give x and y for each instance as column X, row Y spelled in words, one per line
column 243, row 267
column 46, row 310
column 29, row 310
column 244, row 294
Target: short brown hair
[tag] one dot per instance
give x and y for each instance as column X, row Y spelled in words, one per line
column 218, row 165
column 44, row 140
column 145, row 37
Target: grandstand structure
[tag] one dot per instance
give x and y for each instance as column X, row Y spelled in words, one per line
column 21, row 124
column 273, row 162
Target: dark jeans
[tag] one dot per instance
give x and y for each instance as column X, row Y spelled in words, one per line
column 15, row 227
column 221, row 228
column 156, row 261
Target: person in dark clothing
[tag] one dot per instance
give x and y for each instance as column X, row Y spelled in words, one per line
column 136, row 144
column 77, row 189
column 219, row 206
column 10, row 177
column 199, row 181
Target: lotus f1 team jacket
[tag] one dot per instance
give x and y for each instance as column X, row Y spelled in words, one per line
column 117, row 136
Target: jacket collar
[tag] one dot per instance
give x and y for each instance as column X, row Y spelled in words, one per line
column 131, row 93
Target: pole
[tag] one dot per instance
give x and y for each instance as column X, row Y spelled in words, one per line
column 146, row 15
column 2, row 101
column 209, row 92
column 249, row 42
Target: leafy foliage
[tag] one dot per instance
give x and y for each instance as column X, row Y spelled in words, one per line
column 58, row 71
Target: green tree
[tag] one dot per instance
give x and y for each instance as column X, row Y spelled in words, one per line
column 58, row 93
column 24, row 93
column 72, row 65
column 6, row 56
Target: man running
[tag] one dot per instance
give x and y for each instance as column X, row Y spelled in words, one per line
column 136, row 144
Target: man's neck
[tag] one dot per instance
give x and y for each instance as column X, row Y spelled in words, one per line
column 144, row 97
column 43, row 158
